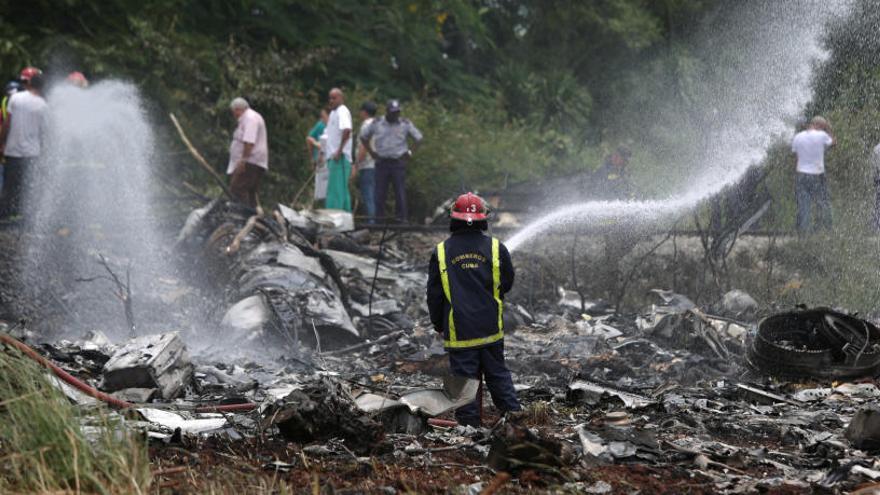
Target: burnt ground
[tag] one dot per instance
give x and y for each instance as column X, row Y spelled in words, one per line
column 245, row 466
column 697, row 433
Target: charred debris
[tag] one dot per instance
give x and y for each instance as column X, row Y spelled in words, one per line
column 329, row 352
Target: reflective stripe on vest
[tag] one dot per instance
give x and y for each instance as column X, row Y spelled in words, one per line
column 453, row 341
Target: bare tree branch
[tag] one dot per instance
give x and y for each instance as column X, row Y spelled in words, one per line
column 122, row 292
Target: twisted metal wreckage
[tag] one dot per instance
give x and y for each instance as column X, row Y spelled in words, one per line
column 737, row 404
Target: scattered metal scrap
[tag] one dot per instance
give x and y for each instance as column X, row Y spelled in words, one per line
column 152, row 362
column 321, row 410
column 816, row 343
column 671, row 399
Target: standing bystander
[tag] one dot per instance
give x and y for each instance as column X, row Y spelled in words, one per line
column 365, row 166
column 811, row 186
column 11, row 88
column 389, row 134
column 22, row 138
column 313, row 140
column 338, row 152
column 248, row 153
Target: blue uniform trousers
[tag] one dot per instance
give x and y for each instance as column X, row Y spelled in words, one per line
column 489, row 362
column 391, row 171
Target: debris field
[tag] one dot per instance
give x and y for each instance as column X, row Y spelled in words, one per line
column 322, row 373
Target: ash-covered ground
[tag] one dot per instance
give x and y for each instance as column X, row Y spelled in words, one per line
column 282, row 356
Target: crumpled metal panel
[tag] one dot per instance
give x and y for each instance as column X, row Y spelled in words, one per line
column 150, row 361
column 457, row 391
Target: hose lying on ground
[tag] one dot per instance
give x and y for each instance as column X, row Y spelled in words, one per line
column 97, row 394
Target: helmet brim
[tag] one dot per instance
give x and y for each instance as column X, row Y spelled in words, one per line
column 468, row 217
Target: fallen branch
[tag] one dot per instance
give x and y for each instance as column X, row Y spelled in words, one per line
column 279, row 218
column 199, row 158
column 235, row 245
column 172, row 470
column 302, row 189
column 191, row 188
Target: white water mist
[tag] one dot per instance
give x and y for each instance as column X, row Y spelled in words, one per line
column 91, row 195
column 752, row 101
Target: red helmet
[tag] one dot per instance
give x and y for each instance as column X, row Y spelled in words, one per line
column 469, row 207
column 28, row 72
column 78, row 79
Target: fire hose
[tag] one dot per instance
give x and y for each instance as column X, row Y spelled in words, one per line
column 121, row 404
column 97, row 394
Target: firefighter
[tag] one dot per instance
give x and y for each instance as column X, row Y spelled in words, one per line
column 468, row 275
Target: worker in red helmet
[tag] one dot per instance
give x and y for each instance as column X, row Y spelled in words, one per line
column 468, row 276
column 22, row 139
column 78, row 79
column 28, row 73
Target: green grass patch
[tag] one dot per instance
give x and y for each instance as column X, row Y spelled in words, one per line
column 42, row 444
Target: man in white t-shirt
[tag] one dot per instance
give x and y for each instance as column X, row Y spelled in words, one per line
column 338, row 152
column 22, row 138
column 811, row 186
column 248, row 153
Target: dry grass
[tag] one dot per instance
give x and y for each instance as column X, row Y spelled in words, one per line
column 43, row 447
column 538, row 413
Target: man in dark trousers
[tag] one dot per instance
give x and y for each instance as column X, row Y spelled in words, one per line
column 468, row 276
column 22, row 139
column 387, row 141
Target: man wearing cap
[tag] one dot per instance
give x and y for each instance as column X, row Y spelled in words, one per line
column 468, row 276
column 22, row 138
column 386, row 140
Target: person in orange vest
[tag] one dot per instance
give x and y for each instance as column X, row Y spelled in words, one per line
column 468, row 276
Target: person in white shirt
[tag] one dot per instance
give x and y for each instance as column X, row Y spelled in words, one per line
column 811, row 187
column 338, row 152
column 22, row 138
column 248, row 153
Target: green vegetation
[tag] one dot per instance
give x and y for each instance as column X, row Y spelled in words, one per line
column 44, row 448
column 840, row 268
column 506, row 90
column 538, row 85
